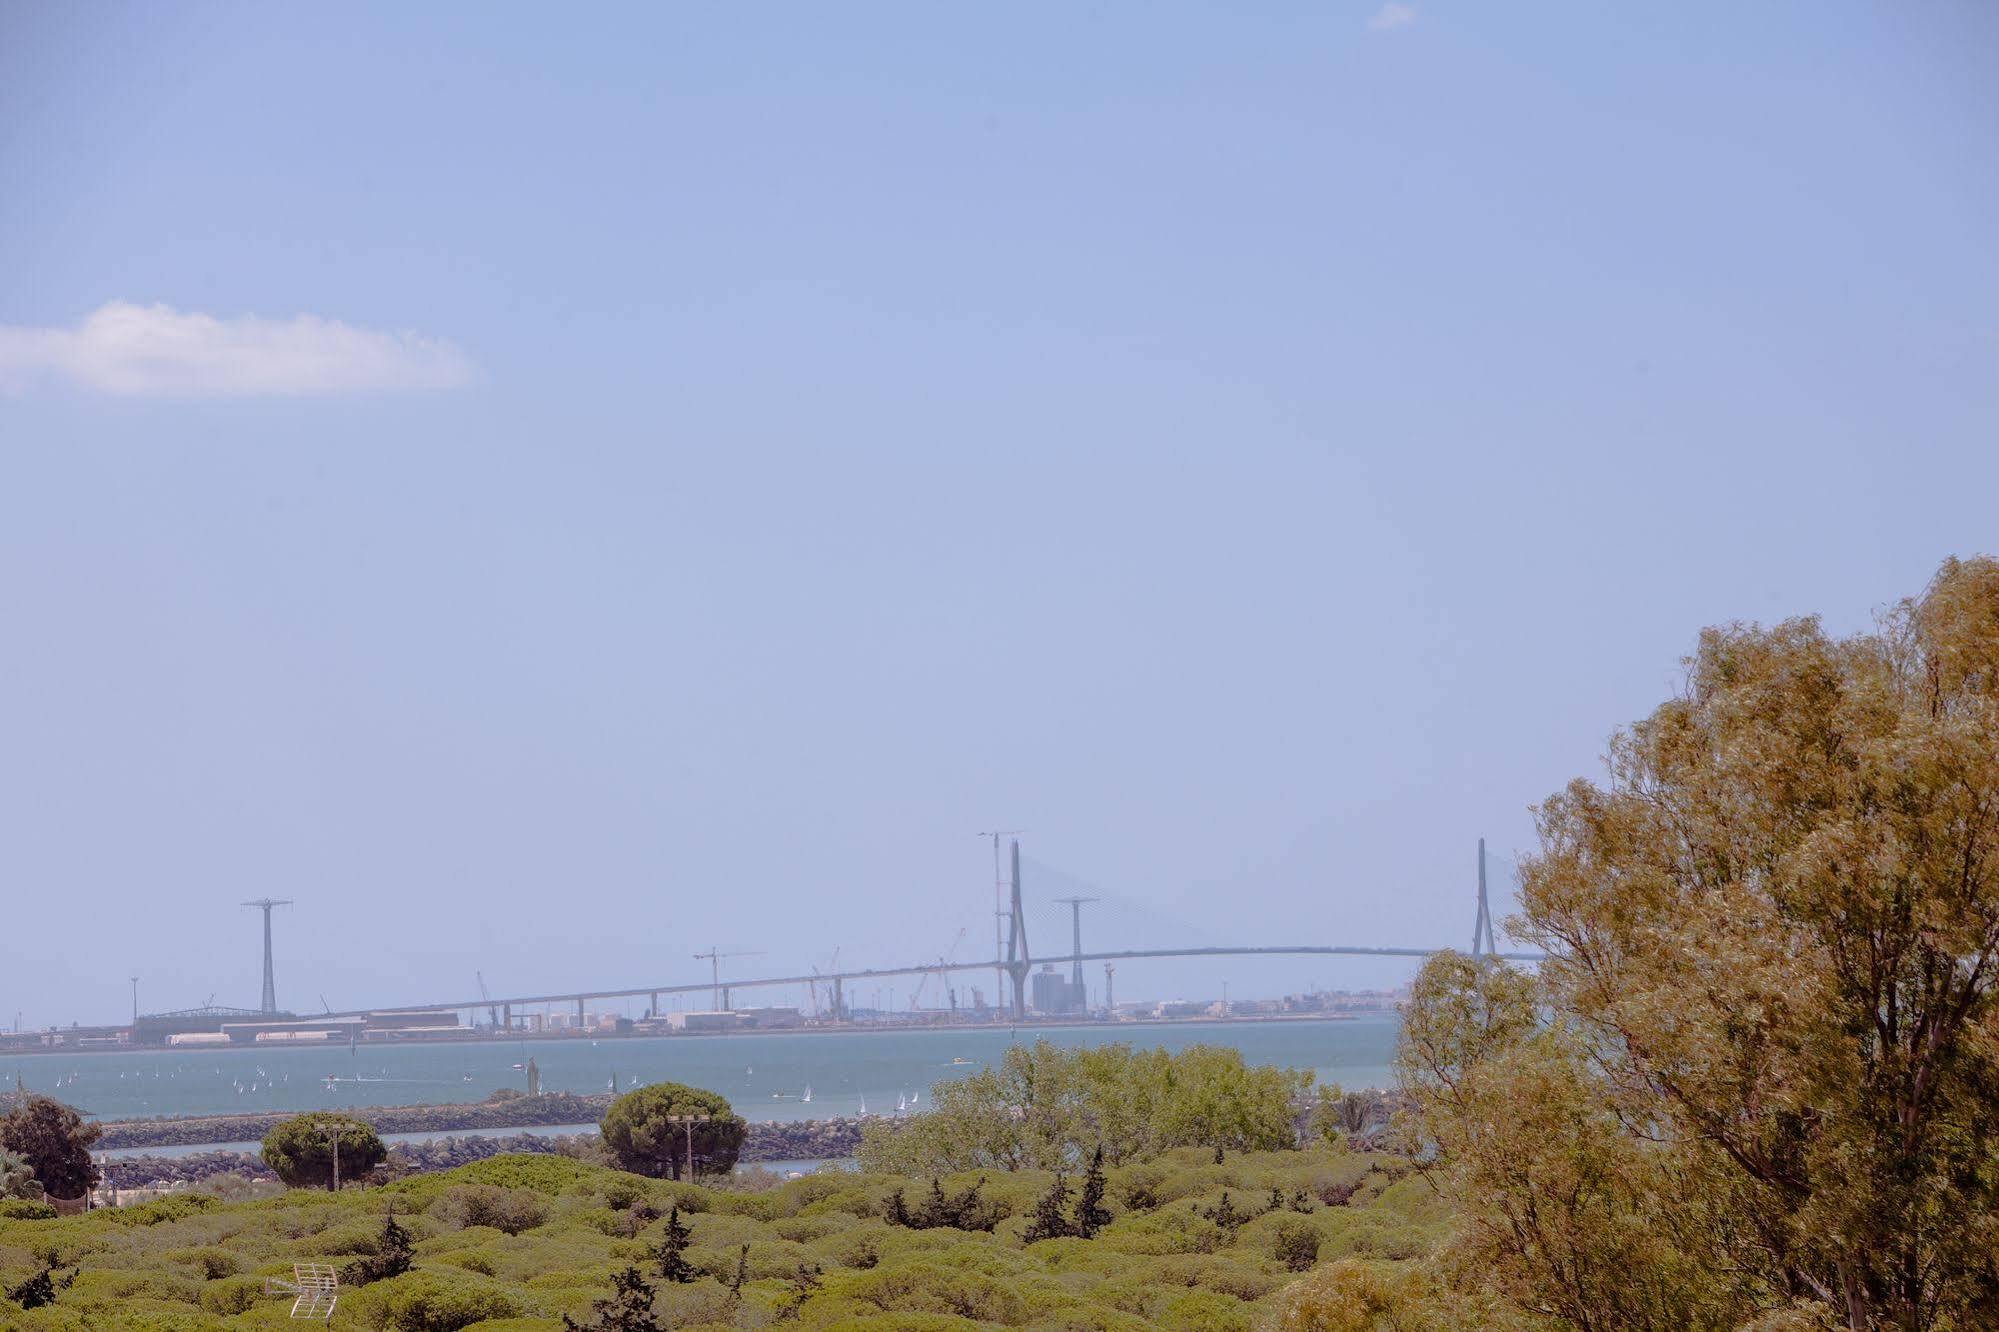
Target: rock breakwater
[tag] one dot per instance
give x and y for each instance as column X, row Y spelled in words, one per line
column 816, row 1140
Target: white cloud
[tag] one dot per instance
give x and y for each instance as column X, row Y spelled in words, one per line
column 1392, row 15
column 155, row 351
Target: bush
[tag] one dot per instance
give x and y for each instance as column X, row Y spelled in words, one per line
column 210, row 1263
column 511, row 1210
column 1296, row 1245
column 301, row 1149
column 174, row 1207
column 232, row 1295
column 431, row 1302
column 639, row 1132
column 21, row 1209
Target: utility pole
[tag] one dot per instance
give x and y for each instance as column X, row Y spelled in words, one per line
column 270, row 1004
column 690, row 1121
column 1481, row 930
column 999, row 911
column 1076, row 946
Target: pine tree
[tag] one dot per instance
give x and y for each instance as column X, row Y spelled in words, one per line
column 41, row 1288
column 804, row 1283
column 1091, row 1215
column 1225, row 1213
column 671, row 1256
column 629, row 1308
column 1048, row 1222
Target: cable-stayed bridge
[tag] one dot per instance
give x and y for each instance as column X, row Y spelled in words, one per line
column 1016, row 965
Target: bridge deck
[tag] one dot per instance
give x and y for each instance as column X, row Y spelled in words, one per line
column 926, row 969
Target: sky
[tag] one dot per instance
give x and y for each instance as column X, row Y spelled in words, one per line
column 555, row 491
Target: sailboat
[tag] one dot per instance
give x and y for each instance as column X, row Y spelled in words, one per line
column 901, row 1103
column 808, row 1093
column 864, row 1103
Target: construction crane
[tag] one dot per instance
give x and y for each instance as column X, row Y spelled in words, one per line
column 942, row 959
column 999, row 909
column 492, row 1009
column 714, row 959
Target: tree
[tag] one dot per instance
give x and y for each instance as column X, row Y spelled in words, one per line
column 965, row 1210
column 805, row 1283
column 1760, row 1068
column 392, row 1257
column 1091, row 1214
column 40, row 1289
column 1049, row 1222
column 300, row 1150
column 671, row 1256
column 627, row 1309
column 741, row 1275
column 640, row 1133
column 17, row 1178
column 1048, row 1108
column 55, row 1142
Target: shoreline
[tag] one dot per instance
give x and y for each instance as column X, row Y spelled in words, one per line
column 469, row 1036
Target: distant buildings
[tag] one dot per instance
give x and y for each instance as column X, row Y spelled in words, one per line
column 1049, row 991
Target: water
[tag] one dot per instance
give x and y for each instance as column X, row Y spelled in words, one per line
column 762, row 1075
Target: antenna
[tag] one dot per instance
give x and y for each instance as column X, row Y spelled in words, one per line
column 315, row 1288
column 270, row 1004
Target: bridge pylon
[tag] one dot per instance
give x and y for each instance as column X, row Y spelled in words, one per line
column 1018, row 963
column 1481, row 930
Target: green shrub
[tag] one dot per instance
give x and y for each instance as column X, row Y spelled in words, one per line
column 1168, row 1230
column 173, row 1207
column 427, row 1301
column 509, row 1210
column 232, row 1295
column 209, row 1263
column 925, row 1287
column 23, row 1209
column 1203, row 1311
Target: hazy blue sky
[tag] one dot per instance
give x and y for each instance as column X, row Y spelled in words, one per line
column 551, row 489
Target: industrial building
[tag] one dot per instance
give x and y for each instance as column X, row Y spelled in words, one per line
column 1052, row 992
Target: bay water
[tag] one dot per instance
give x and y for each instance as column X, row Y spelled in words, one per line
column 765, row 1076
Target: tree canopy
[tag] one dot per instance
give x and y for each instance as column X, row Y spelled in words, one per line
column 55, row 1142
column 301, row 1149
column 1758, row 1075
column 17, row 1178
column 640, row 1133
column 1050, row 1108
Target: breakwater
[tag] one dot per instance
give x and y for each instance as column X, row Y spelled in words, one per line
column 520, row 1112
column 812, row 1139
